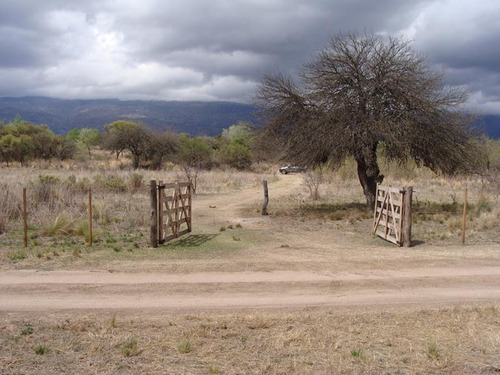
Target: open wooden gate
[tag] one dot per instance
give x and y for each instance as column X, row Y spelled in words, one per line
column 174, row 210
column 389, row 213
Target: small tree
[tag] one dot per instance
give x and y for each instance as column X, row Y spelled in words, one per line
column 164, row 145
column 88, row 138
column 358, row 91
column 235, row 146
column 129, row 136
column 195, row 155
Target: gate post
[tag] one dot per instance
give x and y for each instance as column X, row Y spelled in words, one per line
column 153, row 234
column 407, row 216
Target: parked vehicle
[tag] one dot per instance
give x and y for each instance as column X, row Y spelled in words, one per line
column 292, row 169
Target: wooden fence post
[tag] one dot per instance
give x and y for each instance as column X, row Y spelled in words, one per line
column 266, row 198
column 153, row 234
column 176, row 208
column 160, row 211
column 407, row 216
column 190, row 209
column 25, row 218
column 464, row 218
column 90, row 216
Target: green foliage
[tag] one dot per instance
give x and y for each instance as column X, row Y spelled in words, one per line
column 110, row 182
column 27, row 330
column 73, row 135
column 120, row 136
column 41, row 349
column 20, row 255
column 235, row 146
column 22, row 141
column 236, row 154
column 194, row 152
column 89, row 137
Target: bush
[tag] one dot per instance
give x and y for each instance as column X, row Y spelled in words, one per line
column 111, row 182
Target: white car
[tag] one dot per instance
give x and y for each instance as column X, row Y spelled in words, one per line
column 292, row 169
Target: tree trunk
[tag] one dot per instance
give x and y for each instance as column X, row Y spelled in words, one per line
column 136, row 161
column 369, row 175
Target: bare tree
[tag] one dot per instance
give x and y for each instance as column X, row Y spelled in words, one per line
column 359, row 91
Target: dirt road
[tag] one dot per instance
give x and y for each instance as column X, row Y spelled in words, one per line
column 74, row 290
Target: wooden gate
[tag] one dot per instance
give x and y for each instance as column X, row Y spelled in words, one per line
column 174, row 210
column 388, row 214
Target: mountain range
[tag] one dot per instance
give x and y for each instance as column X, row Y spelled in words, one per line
column 195, row 118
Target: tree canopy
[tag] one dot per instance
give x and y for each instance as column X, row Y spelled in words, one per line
column 361, row 90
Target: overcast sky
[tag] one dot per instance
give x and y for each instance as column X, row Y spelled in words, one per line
column 220, row 49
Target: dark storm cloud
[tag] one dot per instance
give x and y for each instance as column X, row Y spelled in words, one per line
column 219, row 49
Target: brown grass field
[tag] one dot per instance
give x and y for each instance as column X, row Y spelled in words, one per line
column 305, row 290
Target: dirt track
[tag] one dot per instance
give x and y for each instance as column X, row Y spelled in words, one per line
column 72, row 290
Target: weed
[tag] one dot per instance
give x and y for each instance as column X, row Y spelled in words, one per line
column 432, row 351
column 27, row 330
column 236, row 238
column 222, row 229
column 238, row 225
column 230, row 226
column 41, row 349
column 213, row 370
column 130, row 348
column 112, row 321
column 135, row 181
column 185, row 347
column 17, row 256
column 64, row 225
column 356, row 353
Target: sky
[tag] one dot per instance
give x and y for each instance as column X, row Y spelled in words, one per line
column 220, row 49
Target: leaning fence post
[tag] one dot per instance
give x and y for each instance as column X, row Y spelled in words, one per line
column 153, row 234
column 25, row 218
column 407, row 216
column 266, row 198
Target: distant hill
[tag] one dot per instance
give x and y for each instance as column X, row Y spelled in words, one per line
column 196, row 118
column 490, row 124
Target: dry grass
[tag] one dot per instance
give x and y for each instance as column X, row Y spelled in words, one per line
column 462, row 340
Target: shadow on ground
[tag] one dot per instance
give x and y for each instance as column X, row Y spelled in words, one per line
column 193, row 240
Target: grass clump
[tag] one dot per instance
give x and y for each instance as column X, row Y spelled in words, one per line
column 214, row 370
column 41, row 349
column 356, row 353
column 432, row 351
column 130, row 347
column 63, row 225
column 20, row 255
column 185, row 347
column 27, row 330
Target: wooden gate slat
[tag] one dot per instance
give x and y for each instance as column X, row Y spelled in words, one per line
column 174, row 210
column 388, row 214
